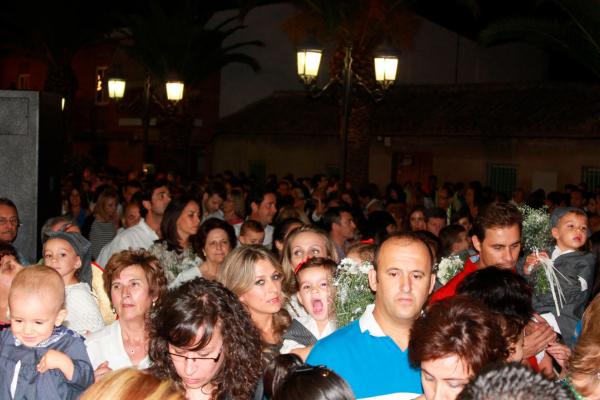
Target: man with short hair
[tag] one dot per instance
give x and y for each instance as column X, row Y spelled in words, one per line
column 435, row 220
column 371, row 353
column 340, row 226
column 155, row 199
column 261, row 207
column 497, row 239
column 212, row 201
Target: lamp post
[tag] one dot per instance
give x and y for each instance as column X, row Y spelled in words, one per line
column 116, row 90
column 386, row 64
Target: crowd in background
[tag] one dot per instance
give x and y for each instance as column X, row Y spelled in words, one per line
column 221, row 288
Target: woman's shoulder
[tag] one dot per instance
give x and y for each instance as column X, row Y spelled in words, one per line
column 109, row 332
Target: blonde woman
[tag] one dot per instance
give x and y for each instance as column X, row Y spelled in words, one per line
column 303, row 243
column 132, row 384
column 255, row 276
column 101, row 227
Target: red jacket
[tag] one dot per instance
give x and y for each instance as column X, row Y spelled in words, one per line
column 449, row 289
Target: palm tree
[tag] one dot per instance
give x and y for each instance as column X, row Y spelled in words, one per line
column 175, row 38
column 363, row 25
column 576, row 35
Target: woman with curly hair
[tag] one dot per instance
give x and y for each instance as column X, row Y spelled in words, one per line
column 203, row 339
column 255, row 276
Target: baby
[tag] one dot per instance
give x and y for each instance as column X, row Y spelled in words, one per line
column 69, row 254
column 39, row 358
column 575, row 268
column 252, row 232
column 315, row 293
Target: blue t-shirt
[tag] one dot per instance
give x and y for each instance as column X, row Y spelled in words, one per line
column 372, row 364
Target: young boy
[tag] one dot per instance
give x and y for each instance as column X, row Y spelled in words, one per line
column 39, row 358
column 316, row 294
column 575, row 270
column 252, row 232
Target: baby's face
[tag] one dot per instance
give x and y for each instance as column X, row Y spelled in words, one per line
column 316, row 292
column 571, row 232
column 251, row 237
column 34, row 316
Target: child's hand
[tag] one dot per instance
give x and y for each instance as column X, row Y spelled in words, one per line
column 532, row 260
column 56, row 360
column 560, row 352
column 102, row 370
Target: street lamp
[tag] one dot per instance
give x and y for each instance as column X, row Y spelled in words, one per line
column 386, row 65
column 116, row 90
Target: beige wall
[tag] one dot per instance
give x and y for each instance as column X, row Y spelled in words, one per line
column 546, row 163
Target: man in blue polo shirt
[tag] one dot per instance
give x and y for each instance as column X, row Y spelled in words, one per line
column 371, row 354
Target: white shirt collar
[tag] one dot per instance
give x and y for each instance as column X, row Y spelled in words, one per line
column 367, row 322
column 557, row 252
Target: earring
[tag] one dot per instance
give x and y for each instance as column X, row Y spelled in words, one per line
column 113, row 310
column 153, row 303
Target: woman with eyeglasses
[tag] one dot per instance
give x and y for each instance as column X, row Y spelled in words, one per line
column 203, row 339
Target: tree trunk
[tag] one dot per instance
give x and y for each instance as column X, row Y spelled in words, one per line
column 357, row 156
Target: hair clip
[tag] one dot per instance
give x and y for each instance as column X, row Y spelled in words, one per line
column 300, row 265
column 368, row 241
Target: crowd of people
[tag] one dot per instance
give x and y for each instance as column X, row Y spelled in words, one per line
column 153, row 287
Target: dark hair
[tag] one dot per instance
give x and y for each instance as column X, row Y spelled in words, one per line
column 7, row 249
column 435, row 212
column 333, row 215
column 280, row 230
column 7, row 202
column 287, row 378
column 460, row 214
column 496, row 215
column 449, row 236
column 413, row 210
column 504, row 293
column 257, row 197
column 206, row 304
column 134, row 183
column 137, row 199
column 315, row 262
column 377, row 223
column 433, row 242
column 513, row 381
column 276, row 372
column 168, row 225
column 410, row 237
column 251, row 225
column 199, row 240
column 216, row 187
column 459, row 326
column 151, row 186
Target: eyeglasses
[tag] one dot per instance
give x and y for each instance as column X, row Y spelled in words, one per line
column 181, row 358
column 12, row 221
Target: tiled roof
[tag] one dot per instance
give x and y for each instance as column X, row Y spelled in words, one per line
column 508, row 110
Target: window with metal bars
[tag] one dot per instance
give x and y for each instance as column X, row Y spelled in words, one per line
column 502, row 178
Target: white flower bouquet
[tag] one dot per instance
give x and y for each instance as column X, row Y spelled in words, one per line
column 448, row 267
column 353, row 291
column 536, row 236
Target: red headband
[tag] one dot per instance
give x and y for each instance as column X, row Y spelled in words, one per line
column 368, row 241
column 300, row 265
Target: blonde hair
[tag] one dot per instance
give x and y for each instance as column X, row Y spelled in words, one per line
column 591, row 316
column 107, row 194
column 584, row 365
column 286, row 255
column 39, row 278
column 132, row 384
column 237, row 273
